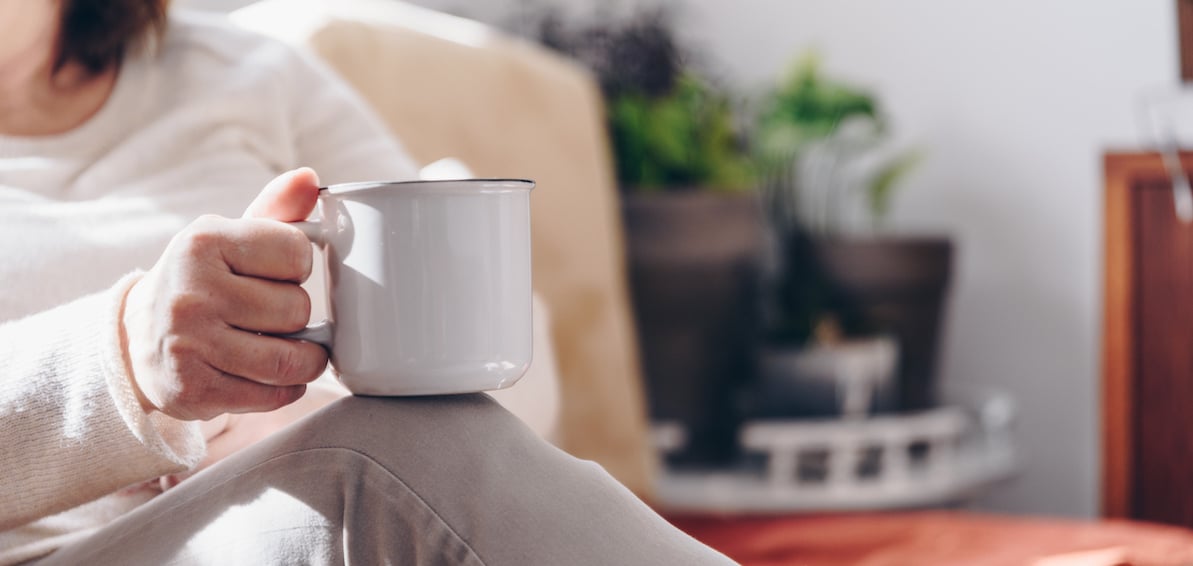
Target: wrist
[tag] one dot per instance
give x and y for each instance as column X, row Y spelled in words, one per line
column 129, row 369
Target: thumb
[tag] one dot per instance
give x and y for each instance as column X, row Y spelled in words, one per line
column 288, row 197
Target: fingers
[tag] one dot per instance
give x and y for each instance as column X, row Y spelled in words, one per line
column 260, row 305
column 218, row 392
column 289, row 197
column 238, row 395
column 268, row 360
column 207, row 392
column 255, row 247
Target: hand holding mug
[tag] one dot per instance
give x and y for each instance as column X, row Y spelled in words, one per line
column 429, row 287
column 197, row 327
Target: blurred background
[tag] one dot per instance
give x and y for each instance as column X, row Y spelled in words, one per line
column 841, row 209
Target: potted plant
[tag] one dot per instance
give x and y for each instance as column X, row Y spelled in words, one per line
column 832, row 173
column 692, row 225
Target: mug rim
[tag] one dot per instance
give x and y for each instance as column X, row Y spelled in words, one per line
column 488, row 185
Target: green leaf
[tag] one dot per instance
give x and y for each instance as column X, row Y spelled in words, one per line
column 806, row 107
column 881, row 187
column 685, row 138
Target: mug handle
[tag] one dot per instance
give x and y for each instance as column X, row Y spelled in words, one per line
column 320, row 332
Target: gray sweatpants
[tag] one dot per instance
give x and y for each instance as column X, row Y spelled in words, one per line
column 436, row 480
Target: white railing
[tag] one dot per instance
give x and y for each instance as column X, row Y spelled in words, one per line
column 932, row 458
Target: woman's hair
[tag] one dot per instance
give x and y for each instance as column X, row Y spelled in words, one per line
column 95, row 33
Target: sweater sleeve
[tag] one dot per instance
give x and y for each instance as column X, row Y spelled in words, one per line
column 73, row 430
column 337, row 133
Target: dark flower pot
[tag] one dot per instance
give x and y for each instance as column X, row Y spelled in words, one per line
column 693, row 262
column 895, row 286
column 812, row 383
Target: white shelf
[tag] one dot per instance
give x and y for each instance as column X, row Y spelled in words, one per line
column 932, row 458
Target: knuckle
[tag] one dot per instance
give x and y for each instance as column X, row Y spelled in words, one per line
column 186, row 306
column 207, row 220
column 180, row 349
column 209, row 223
column 204, row 234
column 202, row 240
column 206, row 226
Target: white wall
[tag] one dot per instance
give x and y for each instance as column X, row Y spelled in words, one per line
column 1014, row 103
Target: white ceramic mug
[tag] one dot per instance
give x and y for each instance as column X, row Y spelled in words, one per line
column 429, row 284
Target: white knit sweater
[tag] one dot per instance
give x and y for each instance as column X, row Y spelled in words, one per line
column 198, row 126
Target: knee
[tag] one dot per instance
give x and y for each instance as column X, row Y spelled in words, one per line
column 384, row 425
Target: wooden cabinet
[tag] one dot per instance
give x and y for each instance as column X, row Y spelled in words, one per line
column 1147, row 365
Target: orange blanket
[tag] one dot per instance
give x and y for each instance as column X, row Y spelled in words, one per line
column 939, row 538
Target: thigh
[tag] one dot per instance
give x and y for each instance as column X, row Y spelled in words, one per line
column 435, row 480
column 317, row 505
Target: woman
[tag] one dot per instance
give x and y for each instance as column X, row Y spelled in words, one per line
column 118, row 127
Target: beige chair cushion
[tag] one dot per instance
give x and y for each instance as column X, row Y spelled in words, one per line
column 507, row 108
